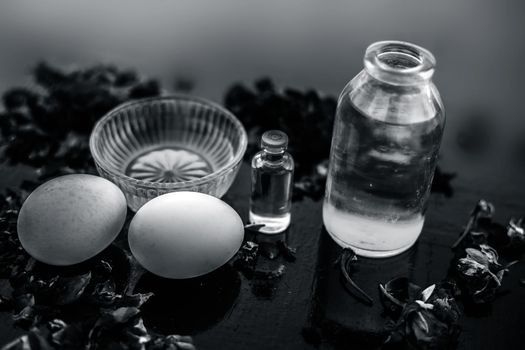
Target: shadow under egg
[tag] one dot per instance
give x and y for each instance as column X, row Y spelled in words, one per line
column 188, row 306
column 118, row 268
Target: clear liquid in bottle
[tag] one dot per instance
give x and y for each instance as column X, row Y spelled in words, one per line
column 385, row 144
column 272, row 173
column 379, row 181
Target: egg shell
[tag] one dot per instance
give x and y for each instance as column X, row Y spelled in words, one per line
column 71, row 218
column 185, row 234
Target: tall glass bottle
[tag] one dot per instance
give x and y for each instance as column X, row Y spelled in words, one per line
column 272, row 173
column 386, row 138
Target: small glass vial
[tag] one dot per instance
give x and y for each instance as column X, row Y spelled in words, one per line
column 272, row 173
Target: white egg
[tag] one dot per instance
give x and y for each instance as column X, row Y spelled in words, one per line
column 71, row 218
column 185, row 234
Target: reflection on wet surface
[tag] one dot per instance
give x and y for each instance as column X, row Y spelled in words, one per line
column 189, row 306
column 343, row 319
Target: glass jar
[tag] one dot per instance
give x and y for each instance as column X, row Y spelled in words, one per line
column 385, row 144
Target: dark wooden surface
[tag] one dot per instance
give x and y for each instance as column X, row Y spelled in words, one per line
column 256, row 323
column 244, row 319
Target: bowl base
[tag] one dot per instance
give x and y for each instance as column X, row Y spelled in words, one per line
column 169, row 164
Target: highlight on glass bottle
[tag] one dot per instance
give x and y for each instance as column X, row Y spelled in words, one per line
column 272, row 174
column 385, row 144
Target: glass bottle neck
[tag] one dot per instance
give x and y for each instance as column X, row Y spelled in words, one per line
column 272, row 156
column 399, row 63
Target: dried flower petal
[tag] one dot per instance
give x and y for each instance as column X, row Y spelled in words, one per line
column 424, row 305
column 429, row 318
column 515, row 230
column 346, row 259
column 49, row 128
column 246, row 259
column 483, row 209
column 480, row 273
column 484, row 255
column 425, row 294
column 287, row 252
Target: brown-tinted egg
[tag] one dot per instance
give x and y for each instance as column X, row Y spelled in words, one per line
column 71, row 218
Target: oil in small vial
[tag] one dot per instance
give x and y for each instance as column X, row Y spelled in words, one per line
column 272, row 180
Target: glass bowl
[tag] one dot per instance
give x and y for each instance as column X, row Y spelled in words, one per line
column 153, row 146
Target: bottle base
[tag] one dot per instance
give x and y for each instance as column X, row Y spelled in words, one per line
column 371, row 237
column 371, row 253
column 272, row 224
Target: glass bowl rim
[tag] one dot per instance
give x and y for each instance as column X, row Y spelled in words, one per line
column 99, row 160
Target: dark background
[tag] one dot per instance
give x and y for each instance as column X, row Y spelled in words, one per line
column 311, row 44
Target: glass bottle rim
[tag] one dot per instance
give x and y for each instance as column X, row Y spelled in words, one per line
column 399, row 62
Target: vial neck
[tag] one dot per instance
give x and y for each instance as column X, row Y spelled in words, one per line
column 272, row 156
